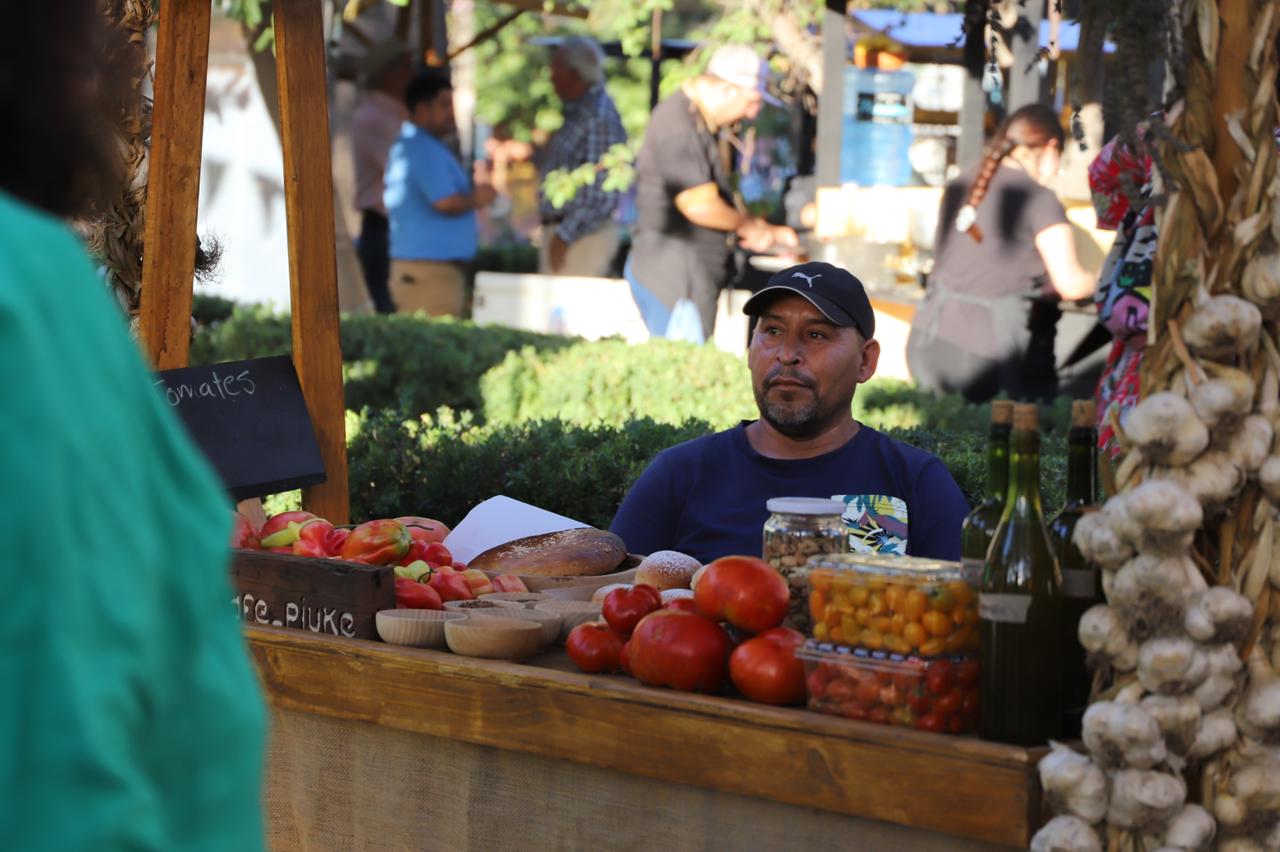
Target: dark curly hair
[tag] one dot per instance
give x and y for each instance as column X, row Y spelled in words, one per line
column 58, row 103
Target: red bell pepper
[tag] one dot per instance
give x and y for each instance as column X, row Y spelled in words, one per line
column 508, row 583
column 414, row 595
column 451, row 585
column 243, row 534
column 313, row 538
column 377, row 543
column 336, row 539
column 417, row 553
column 477, row 580
column 438, row 554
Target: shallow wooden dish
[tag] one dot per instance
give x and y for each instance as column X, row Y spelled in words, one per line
column 493, row 637
column 572, row 613
column 472, row 605
column 416, row 628
column 525, row 599
column 548, row 621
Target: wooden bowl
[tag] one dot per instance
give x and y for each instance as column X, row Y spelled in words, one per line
column 572, row 613
column 417, row 628
column 525, row 599
column 549, row 621
column 479, row 605
column 581, row 594
column 493, row 638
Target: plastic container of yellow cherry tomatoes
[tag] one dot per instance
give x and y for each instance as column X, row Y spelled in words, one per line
column 898, row 604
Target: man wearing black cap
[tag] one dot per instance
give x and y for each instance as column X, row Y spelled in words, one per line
column 813, row 344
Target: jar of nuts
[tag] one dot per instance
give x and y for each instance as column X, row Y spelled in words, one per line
column 798, row 528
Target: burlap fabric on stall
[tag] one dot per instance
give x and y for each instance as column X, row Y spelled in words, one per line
column 338, row 785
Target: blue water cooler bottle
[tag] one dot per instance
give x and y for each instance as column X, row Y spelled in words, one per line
column 877, row 127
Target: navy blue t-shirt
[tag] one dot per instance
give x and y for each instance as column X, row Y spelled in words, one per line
column 706, row 497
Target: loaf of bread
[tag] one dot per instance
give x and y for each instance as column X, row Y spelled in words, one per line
column 583, row 552
column 667, row 569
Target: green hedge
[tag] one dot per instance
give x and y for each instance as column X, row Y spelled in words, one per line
column 408, row 363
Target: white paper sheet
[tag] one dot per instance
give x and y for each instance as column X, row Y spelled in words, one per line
column 499, row 520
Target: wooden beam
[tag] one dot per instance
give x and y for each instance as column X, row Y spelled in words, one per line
column 313, row 276
column 173, row 191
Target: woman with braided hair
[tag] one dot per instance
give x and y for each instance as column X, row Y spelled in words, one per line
column 1004, row 255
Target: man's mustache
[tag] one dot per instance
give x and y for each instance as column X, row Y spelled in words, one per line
column 781, row 374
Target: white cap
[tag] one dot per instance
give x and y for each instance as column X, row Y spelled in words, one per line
column 742, row 66
column 804, row 506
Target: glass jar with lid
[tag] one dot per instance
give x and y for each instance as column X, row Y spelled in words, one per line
column 797, row 529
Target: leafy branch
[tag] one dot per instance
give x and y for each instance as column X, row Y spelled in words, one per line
column 617, row 164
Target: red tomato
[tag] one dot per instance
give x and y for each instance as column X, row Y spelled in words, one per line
column 425, row 530
column 680, row 650
column 438, row 554
column 955, row 725
column 681, row 604
column 414, row 595
column 967, row 672
column 930, row 722
column 842, row 690
column 939, row 677
column 817, row 685
column 595, row 648
column 785, row 635
column 624, row 658
column 969, row 706
column 744, row 591
column 949, row 704
column 854, row 711
column 450, row 585
column 918, row 700
column 867, row 692
column 765, row 669
column 878, row 714
column 623, row 608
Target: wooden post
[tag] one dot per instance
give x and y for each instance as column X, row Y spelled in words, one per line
column 1229, row 97
column 313, row 278
column 173, row 189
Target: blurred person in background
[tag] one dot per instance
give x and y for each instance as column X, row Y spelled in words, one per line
column 431, row 204
column 130, row 717
column 375, row 125
column 686, row 215
column 1004, row 256
column 580, row 237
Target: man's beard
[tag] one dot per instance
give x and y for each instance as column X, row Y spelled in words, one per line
column 795, row 420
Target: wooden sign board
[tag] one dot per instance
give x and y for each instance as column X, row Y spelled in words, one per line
column 251, row 420
column 329, row 596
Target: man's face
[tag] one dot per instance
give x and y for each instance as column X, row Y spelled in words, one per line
column 564, row 79
column 744, row 103
column 436, row 115
column 804, row 368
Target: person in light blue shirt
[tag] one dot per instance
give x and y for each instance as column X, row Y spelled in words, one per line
column 430, row 204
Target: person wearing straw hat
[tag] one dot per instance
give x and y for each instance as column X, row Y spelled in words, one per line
column 385, row 70
column 686, row 218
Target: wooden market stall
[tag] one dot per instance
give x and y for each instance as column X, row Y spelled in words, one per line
column 379, row 745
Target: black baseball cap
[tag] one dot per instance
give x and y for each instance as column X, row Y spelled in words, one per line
column 834, row 291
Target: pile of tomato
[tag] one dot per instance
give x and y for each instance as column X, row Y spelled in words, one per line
column 870, row 611
column 939, row 695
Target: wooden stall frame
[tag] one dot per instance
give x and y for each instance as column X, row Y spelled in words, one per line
column 173, row 194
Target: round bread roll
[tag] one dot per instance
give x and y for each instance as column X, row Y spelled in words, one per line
column 669, row 595
column 667, row 569
column 601, row 593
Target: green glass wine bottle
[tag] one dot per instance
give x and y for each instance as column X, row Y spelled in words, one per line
column 1020, row 606
column 980, row 525
column 1081, row 579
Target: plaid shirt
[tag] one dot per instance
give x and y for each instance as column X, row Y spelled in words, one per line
column 591, row 126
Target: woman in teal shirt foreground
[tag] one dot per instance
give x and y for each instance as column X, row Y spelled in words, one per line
column 129, row 714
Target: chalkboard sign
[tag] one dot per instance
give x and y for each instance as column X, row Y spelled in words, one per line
column 329, row 596
column 251, row 420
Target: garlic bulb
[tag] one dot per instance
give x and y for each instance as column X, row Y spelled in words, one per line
column 1122, row 735
column 1217, row 732
column 1224, row 664
column 1150, row 593
column 1243, row 844
column 1098, row 540
column 1258, row 712
column 1251, row 792
column 1261, row 282
column 1066, row 834
column 1144, row 798
column 1165, row 428
column 1213, row 478
column 1251, row 444
column 1166, row 514
column 1226, row 398
column 1073, row 784
column 1268, row 478
column 1192, row 829
column 1171, row 666
column 1219, row 614
column 1178, row 718
column 1222, row 327
column 1102, row 632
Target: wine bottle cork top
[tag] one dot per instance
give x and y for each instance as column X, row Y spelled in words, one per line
column 1002, row 411
column 1026, row 417
column 1084, row 413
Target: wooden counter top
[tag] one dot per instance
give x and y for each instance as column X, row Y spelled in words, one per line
column 954, row 785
